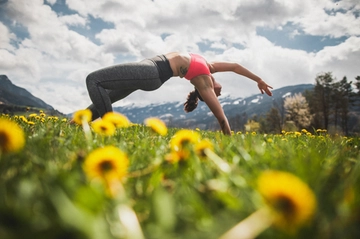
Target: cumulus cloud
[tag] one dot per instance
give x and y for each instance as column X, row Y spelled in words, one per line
column 6, row 37
column 58, row 57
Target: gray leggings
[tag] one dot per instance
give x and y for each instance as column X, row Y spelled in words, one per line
column 114, row 83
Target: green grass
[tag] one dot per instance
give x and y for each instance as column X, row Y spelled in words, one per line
column 44, row 192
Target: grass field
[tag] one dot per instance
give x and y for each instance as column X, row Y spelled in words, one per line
column 61, row 180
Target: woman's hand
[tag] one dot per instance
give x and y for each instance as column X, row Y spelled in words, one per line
column 263, row 87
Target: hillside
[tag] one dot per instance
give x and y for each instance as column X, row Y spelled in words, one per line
column 16, row 99
column 174, row 115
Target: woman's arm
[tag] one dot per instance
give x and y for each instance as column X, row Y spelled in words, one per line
column 205, row 87
column 240, row 70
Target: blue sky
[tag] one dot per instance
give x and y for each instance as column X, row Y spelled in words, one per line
column 49, row 46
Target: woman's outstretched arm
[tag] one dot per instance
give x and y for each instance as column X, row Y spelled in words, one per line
column 240, row 70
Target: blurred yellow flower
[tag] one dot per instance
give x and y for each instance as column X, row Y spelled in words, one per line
column 32, row 115
column 202, row 145
column 12, row 137
column 81, row 116
column 291, row 200
column 103, row 127
column 156, row 125
column 108, row 163
column 182, row 138
column 117, row 119
column 23, row 119
column 176, row 156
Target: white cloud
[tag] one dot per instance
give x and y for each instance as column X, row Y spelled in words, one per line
column 51, row 2
column 58, row 58
column 73, row 20
column 6, row 37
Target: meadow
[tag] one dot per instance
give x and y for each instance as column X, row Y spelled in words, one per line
column 114, row 179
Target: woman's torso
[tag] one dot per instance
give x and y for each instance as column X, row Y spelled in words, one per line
column 179, row 63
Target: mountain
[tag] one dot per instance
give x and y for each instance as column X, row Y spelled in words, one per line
column 14, row 99
column 11, row 94
column 174, row 115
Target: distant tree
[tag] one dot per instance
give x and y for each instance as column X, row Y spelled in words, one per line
column 279, row 105
column 297, row 111
column 252, row 126
column 237, row 123
column 346, row 99
column 357, row 85
column 321, row 99
column 272, row 122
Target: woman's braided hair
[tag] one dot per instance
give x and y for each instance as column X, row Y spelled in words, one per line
column 192, row 101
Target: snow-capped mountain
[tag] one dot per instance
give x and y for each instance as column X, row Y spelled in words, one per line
column 174, row 115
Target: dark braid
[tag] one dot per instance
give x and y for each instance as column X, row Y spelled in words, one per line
column 192, row 101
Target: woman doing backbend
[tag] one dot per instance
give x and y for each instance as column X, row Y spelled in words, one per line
column 108, row 85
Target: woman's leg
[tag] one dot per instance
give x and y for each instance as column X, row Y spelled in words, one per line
column 113, row 83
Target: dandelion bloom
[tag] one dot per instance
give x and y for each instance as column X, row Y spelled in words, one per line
column 182, row 138
column 202, row 145
column 176, row 156
column 117, row 119
column 12, row 138
column 108, row 163
column 157, row 125
column 103, row 127
column 292, row 201
column 82, row 115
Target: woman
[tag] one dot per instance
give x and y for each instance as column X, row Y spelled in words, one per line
column 114, row 83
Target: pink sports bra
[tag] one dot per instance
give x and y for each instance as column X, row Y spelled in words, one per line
column 197, row 67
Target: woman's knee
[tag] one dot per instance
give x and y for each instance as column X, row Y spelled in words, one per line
column 90, row 80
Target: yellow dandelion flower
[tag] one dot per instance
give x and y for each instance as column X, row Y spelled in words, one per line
column 12, row 138
column 176, row 156
column 156, row 125
column 81, row 116
column 297, row 133
column 103, row 127
column 291, row 200
column 32, row 115
column 182, row 138
column 64, row 120
column 42, row 114
column 117, row 119
column 31, row 123
column 202, row 145
column 22, row 118
column 108, row 163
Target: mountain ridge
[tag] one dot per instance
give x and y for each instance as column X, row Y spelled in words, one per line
column 16, row 99
column 173, row 115
column 11, row 94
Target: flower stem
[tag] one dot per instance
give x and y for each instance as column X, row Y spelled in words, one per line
column 251, row 226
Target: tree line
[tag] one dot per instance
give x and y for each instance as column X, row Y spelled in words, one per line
column 331, row 105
